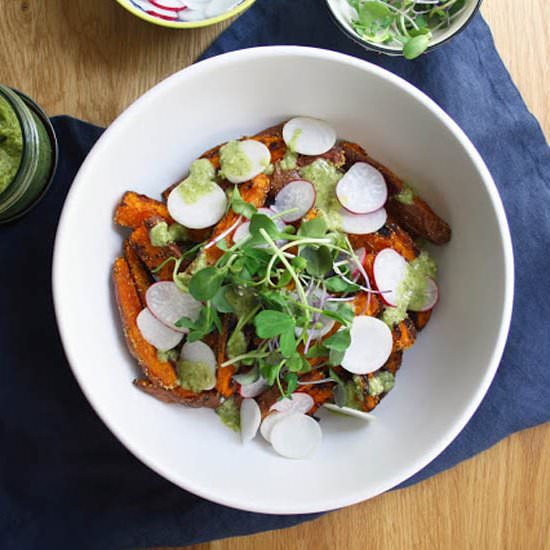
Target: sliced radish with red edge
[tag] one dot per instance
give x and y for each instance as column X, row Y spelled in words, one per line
column 297, row 197
column 169, row 304
column 362, row 189
column 389, row 269
column 309, row 136
column 169, row 5
column 199, row 352
column 155, row 11
column 362, row 224
column 371, row 345
column 156, row 333
column 431, row 296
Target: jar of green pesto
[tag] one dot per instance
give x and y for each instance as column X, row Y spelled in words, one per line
column 28, row 154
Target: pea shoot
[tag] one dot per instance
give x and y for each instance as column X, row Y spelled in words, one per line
column 276, row 285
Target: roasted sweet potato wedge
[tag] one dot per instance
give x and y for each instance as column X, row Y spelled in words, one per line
column 394, row 362
column 134, row 209
column 141, row 276
column 390, row 236
column 180, row 396
column 225, row 384
column 160, row 373
column 417, row 218
column 404, row 335
column 420, row 318
column 254, row 192
column 367, row 304
column 151, row 256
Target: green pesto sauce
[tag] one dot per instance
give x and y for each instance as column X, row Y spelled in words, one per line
column 170, row 355
column 324, row 176
column 382, row 382
column 194, row 376
column 294, row 140
column 405, row 196
column 289, row 161
column 230, row 414
column 11, row 144
column 354, row 395
column 269, row 169
column 411, row 293
column 234, row 162
column 199, row 182
column 236, row 344
column 163, row 234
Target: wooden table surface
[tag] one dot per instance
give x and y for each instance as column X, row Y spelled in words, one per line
column 90, row 59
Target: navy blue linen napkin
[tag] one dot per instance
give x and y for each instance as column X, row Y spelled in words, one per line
column 66, row 482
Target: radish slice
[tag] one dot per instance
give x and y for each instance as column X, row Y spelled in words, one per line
column 169, row 5
column 151, row 9
column 361, row 224
column 362, row 190
column 296, row 436
column 431, row 298
column 309, row 136
column 361, row 254
column 169, row 304
column 254, row 388
column 156, row 333
column 269, row 423
column 299, row 403
column 390, row 268
column 250, row 419
column 258, row 155
column 298, row 197
column 348, row 411
column 371, row 345
column 206, row 211
column 199, row 352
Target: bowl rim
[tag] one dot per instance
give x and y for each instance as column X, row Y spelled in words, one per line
column 379, row 48
column 245, row 4
column 456, row 427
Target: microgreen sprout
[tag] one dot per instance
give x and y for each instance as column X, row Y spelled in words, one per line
column 406, row 24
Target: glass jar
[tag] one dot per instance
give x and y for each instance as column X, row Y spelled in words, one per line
column 29, row 140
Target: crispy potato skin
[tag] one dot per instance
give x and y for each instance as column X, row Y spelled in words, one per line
column 420, row 318
column 142, row 278
column 417, row 218
column 161, row 373
column 134, row 209
column 404, row 335
column 179, row 395
column 254, row 192
column 390, row 236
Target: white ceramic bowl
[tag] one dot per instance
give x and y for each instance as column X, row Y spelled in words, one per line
column 443, row 378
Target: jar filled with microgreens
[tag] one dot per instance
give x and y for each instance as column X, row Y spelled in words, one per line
column 403, row 27
column 28, row 154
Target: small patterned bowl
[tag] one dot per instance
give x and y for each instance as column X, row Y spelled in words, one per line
column 154, row 12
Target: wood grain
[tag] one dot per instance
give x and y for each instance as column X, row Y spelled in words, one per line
column 91, row 59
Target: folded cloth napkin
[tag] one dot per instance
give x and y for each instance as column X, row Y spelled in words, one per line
column 66, row 482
